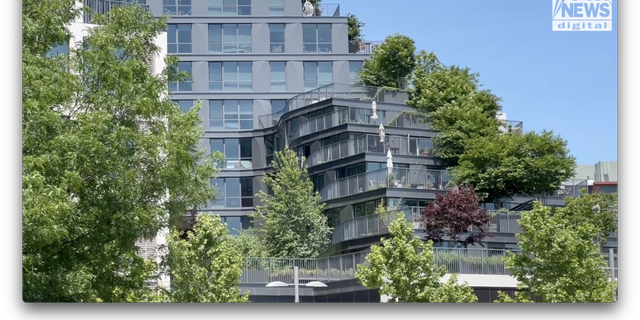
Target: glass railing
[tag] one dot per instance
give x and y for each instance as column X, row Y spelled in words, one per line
column 364, row 46
column 327, row 10
column 334, row 90
column 388, row 118
column 386, row 178
column 372, row 225
column 371, row 144
column 512, row 126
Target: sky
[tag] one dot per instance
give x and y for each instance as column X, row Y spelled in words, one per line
column 565, row 82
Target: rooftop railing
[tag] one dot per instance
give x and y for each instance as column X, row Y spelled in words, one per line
column 364, row 46
column 327, row 10
column 512, row 126
column 371, row 144
column 344, row 267
column 334, row 90
column 104, row 6
column 386, row 178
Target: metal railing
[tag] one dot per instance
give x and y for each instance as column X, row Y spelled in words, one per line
column 369, row 143
column 327, row 10
column 344, row 267
column 364, row 46
column 104, row 6
column 334, row 90
column 513, row 126
column 386, row 178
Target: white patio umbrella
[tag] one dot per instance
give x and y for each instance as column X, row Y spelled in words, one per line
column 389, row 162
column 374, row 116
column 381, row 132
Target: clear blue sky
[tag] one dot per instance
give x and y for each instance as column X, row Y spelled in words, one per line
column 565, row 82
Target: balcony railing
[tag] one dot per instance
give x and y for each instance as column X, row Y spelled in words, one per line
column 327, row 10
column 104, row 6
column 371, row 144
column 372, row 225
column 512, row 126
column 386, row 178
column 344, row 267
column 363, row 47
column 334, row 90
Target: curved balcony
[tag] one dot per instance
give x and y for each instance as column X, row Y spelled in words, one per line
column 386, row 178
column 334, row 90
column 371, row 225
column 370, row 143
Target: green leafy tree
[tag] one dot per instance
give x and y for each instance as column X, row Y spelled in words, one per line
column 391, row 63
column 560, row 259
column 248, row 244
column 355, row 28
column 107, row 157
column 515, row 164
column 404, row 269
column 205, row 267
column 293, row 223
column 317, row 5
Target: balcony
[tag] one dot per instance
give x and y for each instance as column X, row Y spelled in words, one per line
column 343, row 267
column 325, row 10
column 512, row 126
column 370, row 144
column 338, row 91
column 395, row 178
column 363, row 47
column 104, row 6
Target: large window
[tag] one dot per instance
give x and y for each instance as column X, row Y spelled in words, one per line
column 230, row 7
column 186, row 84
column 231, row 114
column 233, row 192
column 237, row 152
column 278, row 105
column 278, row 76
column 230, row 38
column 185, row 105
column 276, row 37
column 179, row 38
column 276, row 7
column 317, row 74
column 230, row 76
column 354, row 68
column 176, row 7
column 316, row 38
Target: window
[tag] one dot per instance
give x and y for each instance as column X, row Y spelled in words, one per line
column 233, row 192
column 278, row 105
column 276, row 37
column 278, row 76
column 61, row 49
column 317, row 74
column 276, row 7
column 235, row 224
column 230, row 76
column 185, row 105
column 237, row 152
column 354, row 68
column 230, row 7
column 186, row 84
column 268, row 142
column 231, row 114
column 176, row 7
column 316, row 38
column 229, row 38
column 179, row 38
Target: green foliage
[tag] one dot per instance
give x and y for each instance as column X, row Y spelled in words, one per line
column 509, row 164
column 391, row 63
column 404, row 269
column 248, row 244
column 560, row 259
column 355, row 28
column 206, row 267
column 294, row 226
column 107, row 157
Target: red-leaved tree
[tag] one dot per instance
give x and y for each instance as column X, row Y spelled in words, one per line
column 450, row 216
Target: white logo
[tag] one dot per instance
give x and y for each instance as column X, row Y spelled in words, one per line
column 582, row 15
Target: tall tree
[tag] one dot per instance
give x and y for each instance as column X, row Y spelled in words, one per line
column 404, row 269
column 248, row 244
column 515, row 164
column 205, row 267
column 447, row 219
column 560, row 259
column 355, row 28
column 391, row 63
column 107, row 157
column 293, row 223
